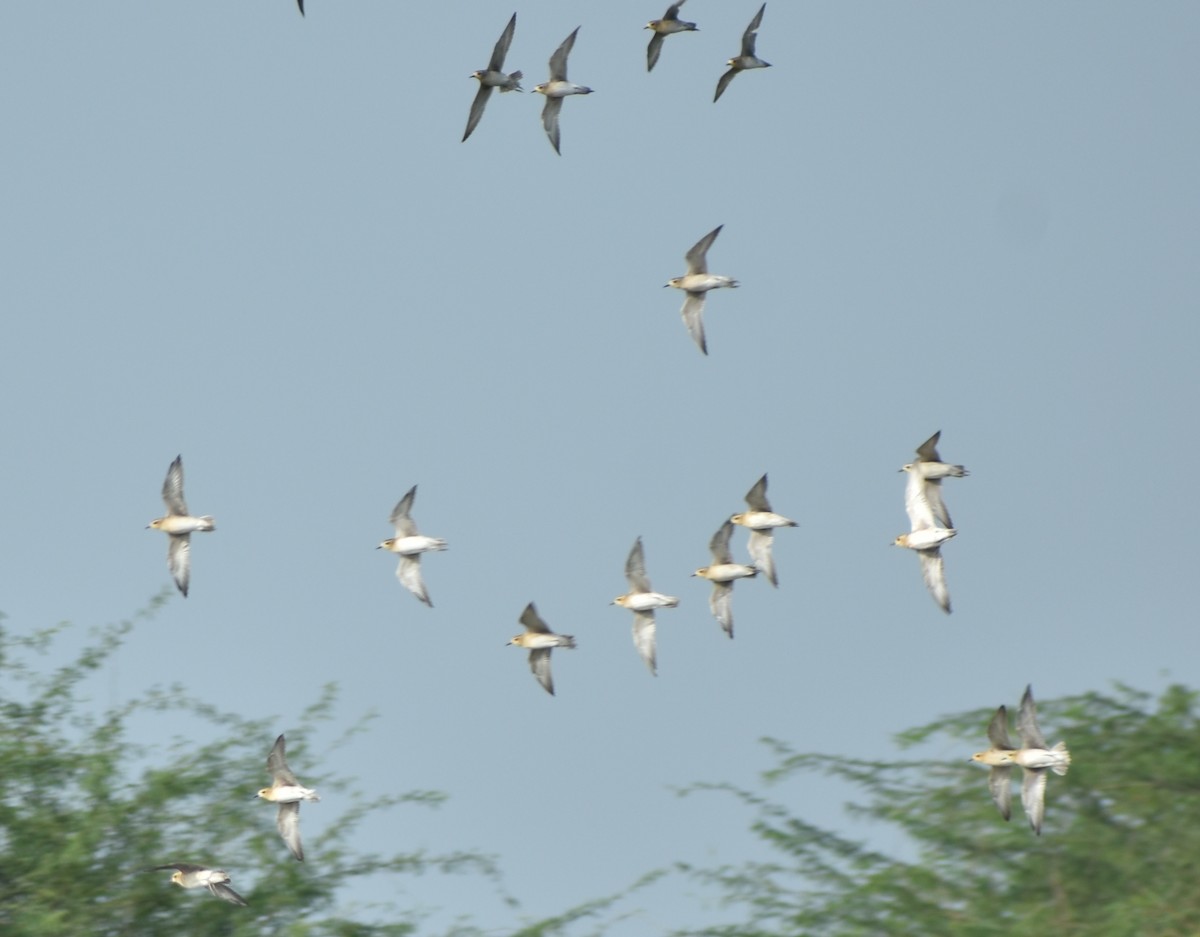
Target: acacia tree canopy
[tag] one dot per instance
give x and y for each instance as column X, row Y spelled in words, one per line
column 1117, row 858
column 84, row 808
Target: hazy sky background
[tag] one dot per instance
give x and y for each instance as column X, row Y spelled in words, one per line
column 255, row 239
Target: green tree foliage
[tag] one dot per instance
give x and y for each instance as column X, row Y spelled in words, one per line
column 84, row 807
column 1118, row 856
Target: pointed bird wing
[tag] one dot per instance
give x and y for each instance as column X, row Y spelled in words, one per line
column 644, row 639
column 172, row 490
column 933, row 572
column 550, row 111
column 760, row 551
column 937, row 506
column 223, row 891
column 723, row 82
column 1000, row 787
column 477, row 106
column 1027, row 727
column 496, row 62
column 997, row 730
column 720, row 603
column 927, row 451
column 635, row 569
column 539, row 663
column 653, row 50
column 408, row 571
column 693, row 317
column 532, row 621
column 917, row 503
column 558, row 61
column 1033, row 797
column 756, row 497
column 697, row 260
column 277, row 766
column 179, row 549
column 748, row 36
column 401, row 517
column 287, row 822
column 719, row 544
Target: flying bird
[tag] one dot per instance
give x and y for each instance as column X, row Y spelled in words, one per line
column 642, row 601
column 926, row 538
column 929, row 521
column 188, row 875
column 696, row 283
column 929, row 466
column 493, row 77
column 739, row 63
column 1000, row 759
column 540, row 641
column 670, row 23
column 1034, row 757
column 558, row 88
column 179, row 526
column 762, row 521
column 410, row 544
column 286, row 791
column 300, row 4
column 722, row 575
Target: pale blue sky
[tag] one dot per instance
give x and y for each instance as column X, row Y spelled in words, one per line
column 256, row 240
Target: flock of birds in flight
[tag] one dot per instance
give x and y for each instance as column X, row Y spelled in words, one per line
column 285, row 791
column 929, row 519
column 1034, row 756
column 930, row 527
column 697, row 282
column 558, row 86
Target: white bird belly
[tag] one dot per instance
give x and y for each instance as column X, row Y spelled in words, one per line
column 291, row 793
column 762, row 520
column 410, row 546
column 929, row 537
column 703, row 282
column 727, row 572
column 536, row 639
column 933, row 470
column 645, row 601
column 182, row 524
column 1042, row 758
column 561, row 89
